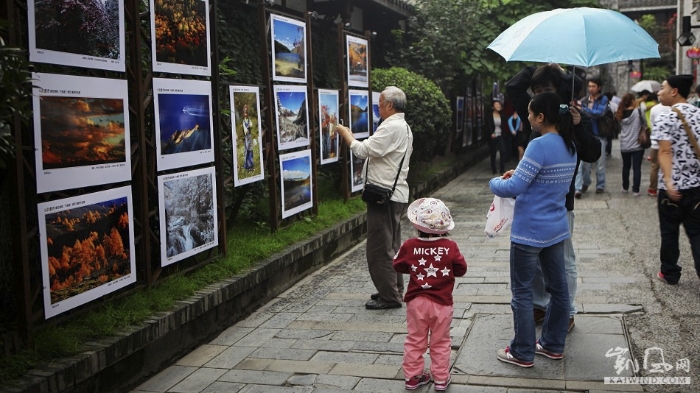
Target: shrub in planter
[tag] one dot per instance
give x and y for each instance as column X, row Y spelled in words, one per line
column 428, row 111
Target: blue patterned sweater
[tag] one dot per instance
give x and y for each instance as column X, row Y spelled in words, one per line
column 540, row 183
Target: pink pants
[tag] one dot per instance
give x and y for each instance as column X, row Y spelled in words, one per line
column 422, row 316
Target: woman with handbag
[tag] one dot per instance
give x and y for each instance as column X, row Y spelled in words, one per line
column 540, row 228
column 632, row 123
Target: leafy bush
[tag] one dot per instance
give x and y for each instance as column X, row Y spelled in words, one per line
column 428, row 111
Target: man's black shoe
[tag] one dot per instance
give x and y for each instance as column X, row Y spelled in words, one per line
column 380, row 305
column 374, row 296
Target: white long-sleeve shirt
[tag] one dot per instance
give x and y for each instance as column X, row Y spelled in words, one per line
column 385, row 148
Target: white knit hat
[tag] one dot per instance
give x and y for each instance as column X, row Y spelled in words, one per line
column 430, row 215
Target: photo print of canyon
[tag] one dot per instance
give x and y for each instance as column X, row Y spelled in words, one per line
column 247, row 138
column 87, row 248
column 288, row 49
column 183, row 122
column 88, row 33
column 292, row 111
column 328, row 115
column 187, row 202
column 296, row 182
column 81, row 131
column 359, row 113
column 180, row 31
column 357, row 61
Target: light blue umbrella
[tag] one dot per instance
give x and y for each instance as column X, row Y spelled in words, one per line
column 576, row 36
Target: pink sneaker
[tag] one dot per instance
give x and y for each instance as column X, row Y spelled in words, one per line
column 441, row 386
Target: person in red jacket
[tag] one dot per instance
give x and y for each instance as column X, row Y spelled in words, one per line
column 433, row 261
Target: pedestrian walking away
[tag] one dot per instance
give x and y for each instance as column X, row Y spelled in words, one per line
column 539, row 184
column 632, row 119
column 678, row 196
column 386, row 153
column 432, row 261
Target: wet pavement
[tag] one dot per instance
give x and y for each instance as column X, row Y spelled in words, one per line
column 318, row 336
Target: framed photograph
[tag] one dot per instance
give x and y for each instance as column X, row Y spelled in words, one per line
column 469, row 114
column 376, row 117
column 357, row 61
column 87, row 34
column 246, row 135
column 180, row 36
column 358, row 113
column 296, row 182
column 288, row 49
column 357, row 174
column 87, row 248
column 81, row 131
column 328, row 115
column 479, row 121
column 188, row 225
column 184, row 130
column 292, row 111
column 459, row 111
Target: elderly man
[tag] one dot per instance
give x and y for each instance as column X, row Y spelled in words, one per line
column 679, row 178
column 387, row 153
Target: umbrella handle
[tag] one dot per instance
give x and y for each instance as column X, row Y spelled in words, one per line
column 573, row 81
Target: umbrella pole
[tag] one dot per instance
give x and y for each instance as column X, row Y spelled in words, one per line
column 573, row 81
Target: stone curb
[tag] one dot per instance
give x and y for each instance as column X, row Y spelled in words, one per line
column 110, row 364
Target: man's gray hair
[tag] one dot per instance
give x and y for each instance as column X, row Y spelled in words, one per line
column 396, row 96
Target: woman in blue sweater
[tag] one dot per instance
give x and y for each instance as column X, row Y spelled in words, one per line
column 540, row 183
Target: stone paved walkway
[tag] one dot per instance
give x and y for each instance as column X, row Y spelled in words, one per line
column 318, row 337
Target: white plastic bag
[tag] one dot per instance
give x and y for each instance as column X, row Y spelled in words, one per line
column 500, row 216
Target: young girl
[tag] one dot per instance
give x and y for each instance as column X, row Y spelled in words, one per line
column 540, row 226
column 433, row 261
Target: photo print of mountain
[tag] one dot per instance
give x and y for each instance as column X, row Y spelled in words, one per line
column 180, row 31
column 357, row 61
column 183, row 122
column 359, row 113
column 288, row 49
column 247, row 139
column 87, row 245
column 292, row 111
column 88, row 33
column 357, row 175
column 328, row 115
column 188, row 225
column 81, row 131
column 376, row 118
column 296, row 182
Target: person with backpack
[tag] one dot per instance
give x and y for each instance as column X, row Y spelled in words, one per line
column 594, row 106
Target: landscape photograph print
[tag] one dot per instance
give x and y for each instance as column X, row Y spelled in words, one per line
column 183, row 122
column 87, row 248
column 328, row 117
column 87, row 33
column 247, row 138
column 180, row 31
column 357, row 175
column 358, row 109
column 81, row 130
column 187, row 203
column 296, row 182
column 288, row 49
column 376, row 117
column 357, row 61
column 292, row 111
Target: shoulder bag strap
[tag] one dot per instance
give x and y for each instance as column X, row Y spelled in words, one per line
column 642, row 120
column 400, row 164
column 691, row 137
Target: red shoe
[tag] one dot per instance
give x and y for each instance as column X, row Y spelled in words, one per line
column 504, row 355
column 651, row 192
column 539, row 350
column 418, row 380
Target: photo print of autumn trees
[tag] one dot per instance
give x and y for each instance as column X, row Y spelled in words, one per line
column 87, row 245
column 180, row 34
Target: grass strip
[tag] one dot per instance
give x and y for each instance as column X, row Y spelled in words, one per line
column 246, row 246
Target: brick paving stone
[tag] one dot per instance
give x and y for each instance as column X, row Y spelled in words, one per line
column 326, row 345
column 231, row 335
column 454, row 388
column 276, row 389
column 257, row 337
column 198, row 380
column 343, row 357
column 382, row 385
column 361, row 336
column 304, row 333
column 366, row 370
column 610, row 308
column 296, row 366
column 394, row 360
column 256, row 319
column 254, row 364
column 201, row 355
column 279, row 343
column 326, row 317
column 302, row 380
column 230, row 357
column 280, row 320
column 223, row 387
column 166, row 379
column 381, row 347
column 336, row 381
column 283, row 353
column 256, row 377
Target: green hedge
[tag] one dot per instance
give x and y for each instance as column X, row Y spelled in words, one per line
column 428, row 111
